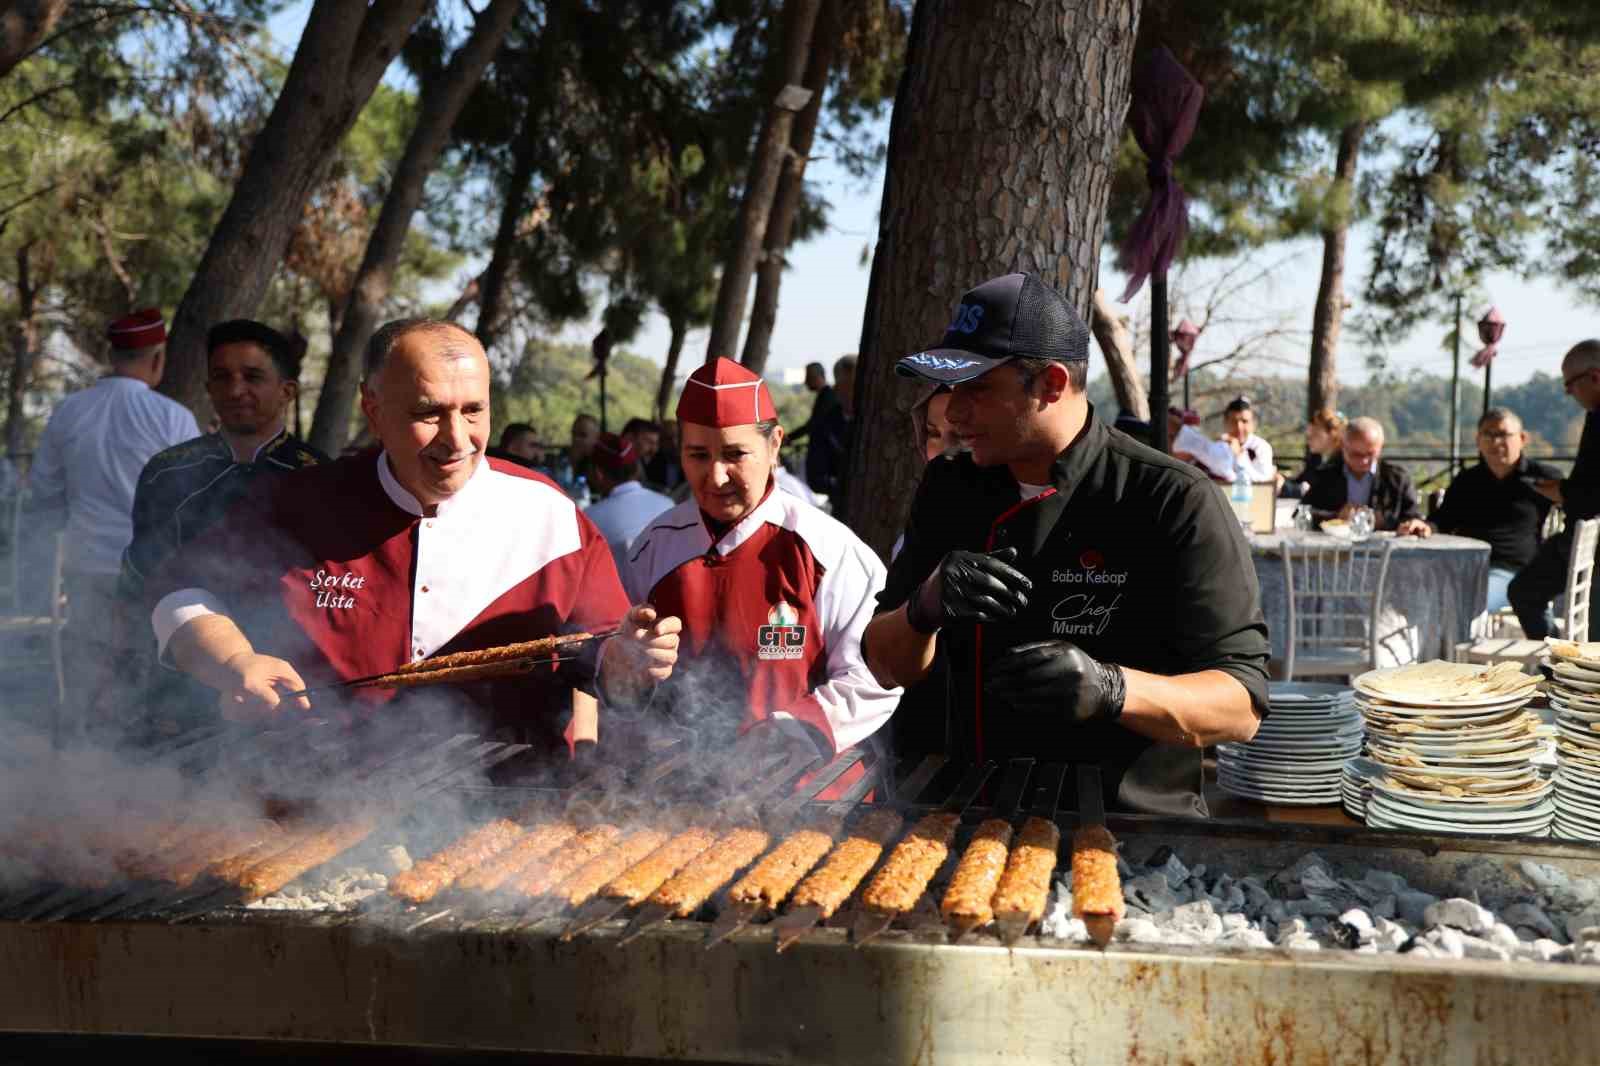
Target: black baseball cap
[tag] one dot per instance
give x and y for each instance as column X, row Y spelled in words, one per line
column 1016, row 316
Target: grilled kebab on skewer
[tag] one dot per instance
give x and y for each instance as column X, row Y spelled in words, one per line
column 903, row 878
column 274, row 873
column 536, row 879
column 439, row 871
column 1024, row 891
column 526, row 851
column 967, row 901
column 1096, row 886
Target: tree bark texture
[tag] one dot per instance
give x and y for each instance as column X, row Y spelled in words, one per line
column 1000, row 159
column 24, row 349
column 342, row 54
column 497, row 275
column 23, row 25
column 825, row 42
column 440, row 104
column 1122, row 366
column 1328, row 315
column 766, row 166
column 679, row 325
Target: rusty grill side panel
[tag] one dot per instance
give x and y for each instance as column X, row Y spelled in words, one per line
column 823, row 1002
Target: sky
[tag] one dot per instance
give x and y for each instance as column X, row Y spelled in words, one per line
column 824, row 293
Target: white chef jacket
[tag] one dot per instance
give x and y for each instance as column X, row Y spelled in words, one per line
column 1256, row 459
column 623, row 514
column 89, row 459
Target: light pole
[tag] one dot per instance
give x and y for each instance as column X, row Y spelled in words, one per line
column 1455, row 392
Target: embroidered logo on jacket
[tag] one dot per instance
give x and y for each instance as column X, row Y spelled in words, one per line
column 336, row 590
column 782, row 637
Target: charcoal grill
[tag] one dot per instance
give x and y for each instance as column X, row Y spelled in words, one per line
column 443, row 976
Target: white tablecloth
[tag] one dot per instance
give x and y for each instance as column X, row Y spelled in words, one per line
column 1436, row 587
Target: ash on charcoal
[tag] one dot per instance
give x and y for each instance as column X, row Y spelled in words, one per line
column 1151, row 892
column 1462, row 914
column 341, row 891
column 1526, row 915
column 1197, row 922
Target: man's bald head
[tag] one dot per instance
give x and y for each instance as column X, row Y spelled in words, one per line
column 452, row 342
column 426, row 397
column 1369, row 428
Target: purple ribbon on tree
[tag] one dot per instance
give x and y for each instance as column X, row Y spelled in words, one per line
column 1166, row 105
column 1491, row 327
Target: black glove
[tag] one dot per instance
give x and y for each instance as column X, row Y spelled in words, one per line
column 1055, row 677
column 969, row 587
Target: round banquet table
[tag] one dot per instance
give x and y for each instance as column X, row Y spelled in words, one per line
column 1436, row 587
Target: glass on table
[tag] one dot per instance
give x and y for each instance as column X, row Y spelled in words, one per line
column 1363, row 522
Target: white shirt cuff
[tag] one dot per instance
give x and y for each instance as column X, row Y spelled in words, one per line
column 176, row 610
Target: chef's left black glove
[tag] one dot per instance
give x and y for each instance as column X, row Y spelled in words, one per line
column 1056, row 677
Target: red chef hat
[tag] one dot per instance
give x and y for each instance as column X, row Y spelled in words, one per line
column 615, row 455
column 142, row 329
column 722, row 394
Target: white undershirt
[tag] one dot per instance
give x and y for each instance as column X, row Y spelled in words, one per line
column 1030, row 491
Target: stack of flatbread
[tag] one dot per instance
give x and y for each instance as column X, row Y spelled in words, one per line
column 1455, row 747
column 1574, row 689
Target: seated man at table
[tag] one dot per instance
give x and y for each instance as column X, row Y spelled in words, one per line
column 1363, row 479
column 1495, row 501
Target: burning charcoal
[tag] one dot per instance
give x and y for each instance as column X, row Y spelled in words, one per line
column 1564, row 892
column 1474, row 947
column 1504, row 936
column 1384, row 883
column 1462, row 914
column 1172, row 868
column 1291, row 928
column 1413, row 906
column 1289, row 880
column 1314, row 907
column 1150, row 892
column 1530, row 916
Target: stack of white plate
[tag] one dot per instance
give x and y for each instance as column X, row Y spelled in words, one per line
column 1297, row 756
column 1453, row 746
column 1355, row 788
column 1575, row 698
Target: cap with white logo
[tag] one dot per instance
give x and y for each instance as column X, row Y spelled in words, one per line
column 1016, row 316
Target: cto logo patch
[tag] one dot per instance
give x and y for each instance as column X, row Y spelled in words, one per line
column 783, row 637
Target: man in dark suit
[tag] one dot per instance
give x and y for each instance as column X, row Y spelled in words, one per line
column 1365, row 480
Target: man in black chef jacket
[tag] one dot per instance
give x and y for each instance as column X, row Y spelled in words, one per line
column 1095, row 598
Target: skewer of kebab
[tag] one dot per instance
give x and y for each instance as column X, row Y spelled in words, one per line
column 764, row 888
column 826, row 888
column 487, row 664
column 965, row 904
column 637, row 883
column 1023, row 894
column 736, row 849
column 898, row 885
column 1096, row 886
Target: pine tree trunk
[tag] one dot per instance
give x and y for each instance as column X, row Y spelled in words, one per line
column 496, row 276
column 1328, row 315
column 679, row 324
column 23, row 25
column 24, row 350
column 1000, row 156
column 343, row 52
column 442, row 100
column 1122, row 366
column 825, row 44
column 766, row 166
